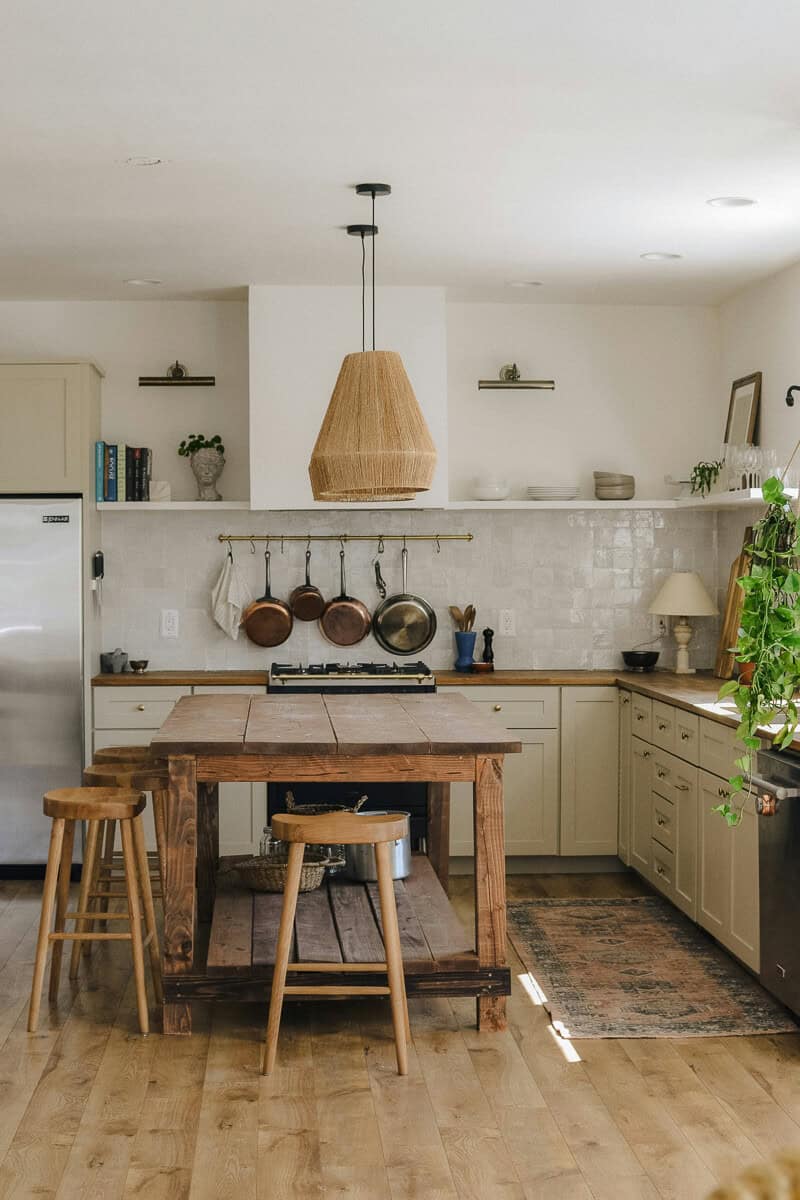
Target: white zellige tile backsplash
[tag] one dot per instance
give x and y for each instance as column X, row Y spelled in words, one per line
column 579, row 582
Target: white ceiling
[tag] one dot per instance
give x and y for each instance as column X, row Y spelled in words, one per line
column 524, row 139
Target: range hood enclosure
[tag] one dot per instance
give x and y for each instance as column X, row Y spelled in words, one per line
column 298, row 339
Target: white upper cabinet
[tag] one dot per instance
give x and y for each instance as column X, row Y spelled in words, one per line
column 298, row 338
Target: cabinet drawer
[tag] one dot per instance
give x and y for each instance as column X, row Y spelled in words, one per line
column 687, row 736
column 718, row 748
column 663, row 868
column 134, row 707
column 517, row 708
column 663, row 726
column 672, row 776
column 642, row 717
column 663, row 822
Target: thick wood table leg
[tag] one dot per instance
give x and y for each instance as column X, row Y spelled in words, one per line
column 490, row 882
column 207, row 848
column 179, row 885
column 439, row 831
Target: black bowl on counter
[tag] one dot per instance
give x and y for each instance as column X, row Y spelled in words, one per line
column 640, row 660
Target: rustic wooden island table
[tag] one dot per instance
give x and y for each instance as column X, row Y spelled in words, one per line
column 436, row 739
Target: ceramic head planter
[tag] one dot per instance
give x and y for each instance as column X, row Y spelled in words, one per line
column 207, row 460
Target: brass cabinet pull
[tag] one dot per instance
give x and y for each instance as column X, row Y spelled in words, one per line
column 723, row 793
column 661, row 774
column 660, row 821
column 498, row 708
column 660, row 871
column 685, row 735
column 681, row 787
column 661, row 726
column 140, row 707
column 625, row 699
column 645, row 754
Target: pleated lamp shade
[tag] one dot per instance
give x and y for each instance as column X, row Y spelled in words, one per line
column 374, row 443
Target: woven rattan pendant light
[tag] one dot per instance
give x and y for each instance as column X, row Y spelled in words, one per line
column 374, row 443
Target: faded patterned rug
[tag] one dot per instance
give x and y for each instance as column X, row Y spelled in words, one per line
column 635, row 968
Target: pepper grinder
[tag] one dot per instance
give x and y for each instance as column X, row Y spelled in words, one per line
column 488, row 652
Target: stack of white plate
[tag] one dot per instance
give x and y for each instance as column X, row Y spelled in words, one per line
column 609, row 485
column 552, row 491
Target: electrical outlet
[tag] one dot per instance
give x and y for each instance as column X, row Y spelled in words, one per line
column 170, row 623
column 660, row 626
column 508, row 622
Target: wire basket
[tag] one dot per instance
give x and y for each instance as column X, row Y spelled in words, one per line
column 267, row 873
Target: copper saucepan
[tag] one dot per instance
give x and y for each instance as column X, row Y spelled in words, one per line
column 267, row 621
column 345, row 621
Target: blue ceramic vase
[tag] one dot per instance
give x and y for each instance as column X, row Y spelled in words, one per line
column 465, row 644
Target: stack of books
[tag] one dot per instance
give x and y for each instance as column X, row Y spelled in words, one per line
column 122, row 472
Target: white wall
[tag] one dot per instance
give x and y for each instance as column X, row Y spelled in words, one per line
column 132, row 338
column 637, row 390
column 760, row 331
column 298, row 338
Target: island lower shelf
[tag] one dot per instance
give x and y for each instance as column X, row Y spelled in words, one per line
column 337, row 923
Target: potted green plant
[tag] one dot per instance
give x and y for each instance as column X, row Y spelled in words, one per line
column 769, row 639
column 704, row 476
column 207, row 459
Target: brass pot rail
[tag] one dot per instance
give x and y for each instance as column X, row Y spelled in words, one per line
column 345, row 537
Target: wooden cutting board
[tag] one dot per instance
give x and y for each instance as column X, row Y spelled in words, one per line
column 723, row 667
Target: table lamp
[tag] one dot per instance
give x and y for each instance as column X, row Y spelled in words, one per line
column 683, row 595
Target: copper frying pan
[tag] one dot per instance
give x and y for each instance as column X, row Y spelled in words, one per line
column 345, row 621
column 306, row 601
column 267, row 621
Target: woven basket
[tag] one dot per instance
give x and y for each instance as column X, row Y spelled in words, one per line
column 268, row 874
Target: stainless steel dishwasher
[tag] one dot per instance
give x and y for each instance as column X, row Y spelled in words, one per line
column 776, row 784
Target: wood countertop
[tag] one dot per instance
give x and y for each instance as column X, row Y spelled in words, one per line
column 242, row 678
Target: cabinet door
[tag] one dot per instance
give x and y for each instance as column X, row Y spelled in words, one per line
column 641, row 807
column 714, row 876
column 242, row 806
column 743, row 934
column 40, row 413
column 530, row 795
column 625, row 766
column 589, row 770
column 685, row 790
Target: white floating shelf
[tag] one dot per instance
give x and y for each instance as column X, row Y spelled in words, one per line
column 170, row 505
column 574, row 505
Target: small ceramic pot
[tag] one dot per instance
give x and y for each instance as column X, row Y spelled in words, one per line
column 465, row 644
column 746, row 671
column 207, row 465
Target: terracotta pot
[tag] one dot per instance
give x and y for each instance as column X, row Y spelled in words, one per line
column 746, row 671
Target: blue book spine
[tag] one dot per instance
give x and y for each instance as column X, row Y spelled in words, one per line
column 112, row 473
column 99, row 469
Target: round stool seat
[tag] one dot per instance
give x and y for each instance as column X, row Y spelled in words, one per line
column 123, row 754
column 93, row 804
column 342, row 828
column 141, row 776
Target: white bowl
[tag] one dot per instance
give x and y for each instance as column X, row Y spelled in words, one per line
column 491, row 491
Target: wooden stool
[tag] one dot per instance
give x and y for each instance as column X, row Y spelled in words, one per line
column 123, row 754
column 150, row 775
column 348, row 829
column 66, row 806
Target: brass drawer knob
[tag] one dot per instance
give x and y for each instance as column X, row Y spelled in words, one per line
column 660, row 821
column 640, row 716
column 685, row 735
column 661, row 726
column 661, row 774
column 660, row 871
column 140, row 707
column 682, row 787
column 626, row 699
column 498, row 708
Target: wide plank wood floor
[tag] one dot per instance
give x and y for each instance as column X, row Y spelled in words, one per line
column 89, row 1110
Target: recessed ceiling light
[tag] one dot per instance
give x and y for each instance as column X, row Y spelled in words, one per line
column 730, row 202
column 142, row 160
column 525, row 283
column 659, row 256
column 143, row 282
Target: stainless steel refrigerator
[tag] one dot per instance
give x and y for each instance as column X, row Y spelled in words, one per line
column 41, row 666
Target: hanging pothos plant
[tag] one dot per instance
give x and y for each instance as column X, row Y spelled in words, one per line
column 769, row 638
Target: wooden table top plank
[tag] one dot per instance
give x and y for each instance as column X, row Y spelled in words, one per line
column 351, row 726
column 367, row 723
column 289, row 725
column 452, row 724
column 204, row 723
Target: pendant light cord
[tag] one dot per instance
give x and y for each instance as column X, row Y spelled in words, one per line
column 374, row 235
column 363, row 296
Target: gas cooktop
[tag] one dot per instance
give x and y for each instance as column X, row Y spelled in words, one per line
column 351, row 677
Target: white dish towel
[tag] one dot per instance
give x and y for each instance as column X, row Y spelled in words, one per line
column 230, row 598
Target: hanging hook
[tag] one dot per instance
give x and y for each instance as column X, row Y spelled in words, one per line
column 252, row 546
column 281, row 543
column 438, row 545
column 230, row 550
column 308, row 544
